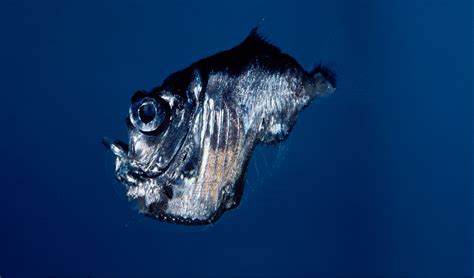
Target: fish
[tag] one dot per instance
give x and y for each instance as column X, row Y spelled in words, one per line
column 191, row 138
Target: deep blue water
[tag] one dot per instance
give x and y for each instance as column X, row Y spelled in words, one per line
column 375, row 180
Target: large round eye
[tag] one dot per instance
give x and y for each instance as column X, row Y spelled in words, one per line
column 147, row 114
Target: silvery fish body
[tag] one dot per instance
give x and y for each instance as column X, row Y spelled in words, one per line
column 191, row 138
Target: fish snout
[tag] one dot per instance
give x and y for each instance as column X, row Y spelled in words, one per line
column 126, row 170
column 119, row 148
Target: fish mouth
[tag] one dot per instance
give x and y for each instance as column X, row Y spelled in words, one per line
column 141, row 186
column 124, row 171
column 130, row 172
column 127, row 171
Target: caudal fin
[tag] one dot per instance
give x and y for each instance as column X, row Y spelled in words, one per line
column 323, row 82
column 327, row 73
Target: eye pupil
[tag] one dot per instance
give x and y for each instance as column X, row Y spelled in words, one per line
column 147, row 112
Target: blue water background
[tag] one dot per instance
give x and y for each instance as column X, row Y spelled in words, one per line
column 375, row 180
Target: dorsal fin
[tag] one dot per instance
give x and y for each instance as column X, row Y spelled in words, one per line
column 257, row 42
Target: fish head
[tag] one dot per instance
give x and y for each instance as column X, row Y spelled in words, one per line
column 173, row 164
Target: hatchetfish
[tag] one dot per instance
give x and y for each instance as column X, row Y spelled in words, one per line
column 191, row 138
